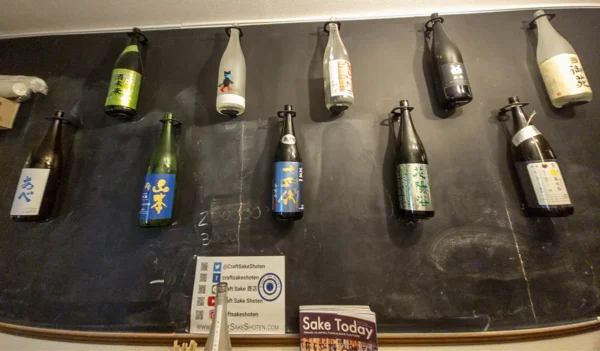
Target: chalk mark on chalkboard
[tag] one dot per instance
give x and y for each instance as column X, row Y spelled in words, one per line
column 159, row 281
column 202, row 223
column 512, row 230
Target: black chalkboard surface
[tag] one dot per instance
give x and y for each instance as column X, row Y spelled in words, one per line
column 478, row 265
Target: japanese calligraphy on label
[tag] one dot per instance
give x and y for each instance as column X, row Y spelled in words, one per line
column 340, row 78
column 157, row 197
column 547, row 183
column 287, row 187
column 524, row 134
column 454, row 74
column 30, row 192
column 413, row 187
column 124, row 88
column 255, row 294
column 563, row 76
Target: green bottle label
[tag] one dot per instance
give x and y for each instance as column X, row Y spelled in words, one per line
column 130, row 48
column 124, row 88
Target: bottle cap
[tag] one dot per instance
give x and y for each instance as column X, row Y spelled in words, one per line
column 538, row 13
column 326, row 26
column 435, row 15
column 513, row 99
column 59, row 113
column 404, row 103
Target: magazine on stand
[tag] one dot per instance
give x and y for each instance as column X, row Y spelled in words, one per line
column 337, row 328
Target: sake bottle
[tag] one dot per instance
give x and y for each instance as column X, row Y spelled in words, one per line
column 287, row 172
column 560, row 66
column 158, row 195
column 231, row 82
column 218, row 337
column 126, row 79
column 542, row 182
column 412, row 175
column 453, row 88
column 40, row 177
column 337, row 72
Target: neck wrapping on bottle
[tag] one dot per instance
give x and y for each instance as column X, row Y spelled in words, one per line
column 288, row 125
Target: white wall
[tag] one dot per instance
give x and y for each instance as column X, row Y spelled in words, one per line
column 34, row 17
column 582, row 342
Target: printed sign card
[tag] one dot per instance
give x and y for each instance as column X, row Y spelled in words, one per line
column 256, row 294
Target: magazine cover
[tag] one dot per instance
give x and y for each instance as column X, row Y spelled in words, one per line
column 341, row 329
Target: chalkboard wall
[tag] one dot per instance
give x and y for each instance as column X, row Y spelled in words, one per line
column 479, row 264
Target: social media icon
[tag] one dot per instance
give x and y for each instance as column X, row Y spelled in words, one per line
column 217, row 266
column 216, row 278
column 214, row 289
column 211, row 314
column 212, row 300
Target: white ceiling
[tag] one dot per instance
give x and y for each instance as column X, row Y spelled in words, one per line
column 39, row 17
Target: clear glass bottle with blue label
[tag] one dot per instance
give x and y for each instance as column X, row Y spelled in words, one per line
column 287, row 172
column 158, row 195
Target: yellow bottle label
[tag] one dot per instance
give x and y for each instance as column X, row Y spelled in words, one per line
column 564, row 76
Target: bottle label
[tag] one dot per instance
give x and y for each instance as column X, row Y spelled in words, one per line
column 226, row 85
column 454, row 74
column 130, row 48
column 543, row 183
column 340, row 78
column 288, row 139
column 124, row 88
column 158, row 197
column 30, row 192
column 287, row 187
column 524, row 134
column 413, row 187
column 217, row 329
column 563, row 75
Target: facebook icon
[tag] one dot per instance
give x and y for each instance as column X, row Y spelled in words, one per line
column 216, row 278
column 217, row 266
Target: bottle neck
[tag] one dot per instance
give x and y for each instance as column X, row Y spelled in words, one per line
column 51, row 140
column 544, row 26
column 134, row 40
column 335, row 41
column 439, row 32
column 407, row 127
column 166, row 137
column 234, row 39
column 288, row 125
column 519, row 118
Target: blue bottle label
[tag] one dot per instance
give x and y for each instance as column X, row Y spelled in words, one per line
column 287, row 187
column 157, row 197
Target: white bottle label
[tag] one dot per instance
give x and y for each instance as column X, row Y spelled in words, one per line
column 548, row 183
column 217, row 330
column 340, row 78
column 288, row 139
column 564, row 76
column 30, row 192
column 413, row 186
column 524, row 134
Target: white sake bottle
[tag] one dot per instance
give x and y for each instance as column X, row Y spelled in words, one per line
column 560, row 66
column 231, row 81
column 218, row 338
column 337, row 72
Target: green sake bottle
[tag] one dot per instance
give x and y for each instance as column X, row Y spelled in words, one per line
column 126, row 79
column 158, row 195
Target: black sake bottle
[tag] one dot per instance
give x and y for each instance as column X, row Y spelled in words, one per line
column 414, row 188
column 537, row 168
column 451, row 80
column 287, row 172
column 126, row 79
column 40, row 176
